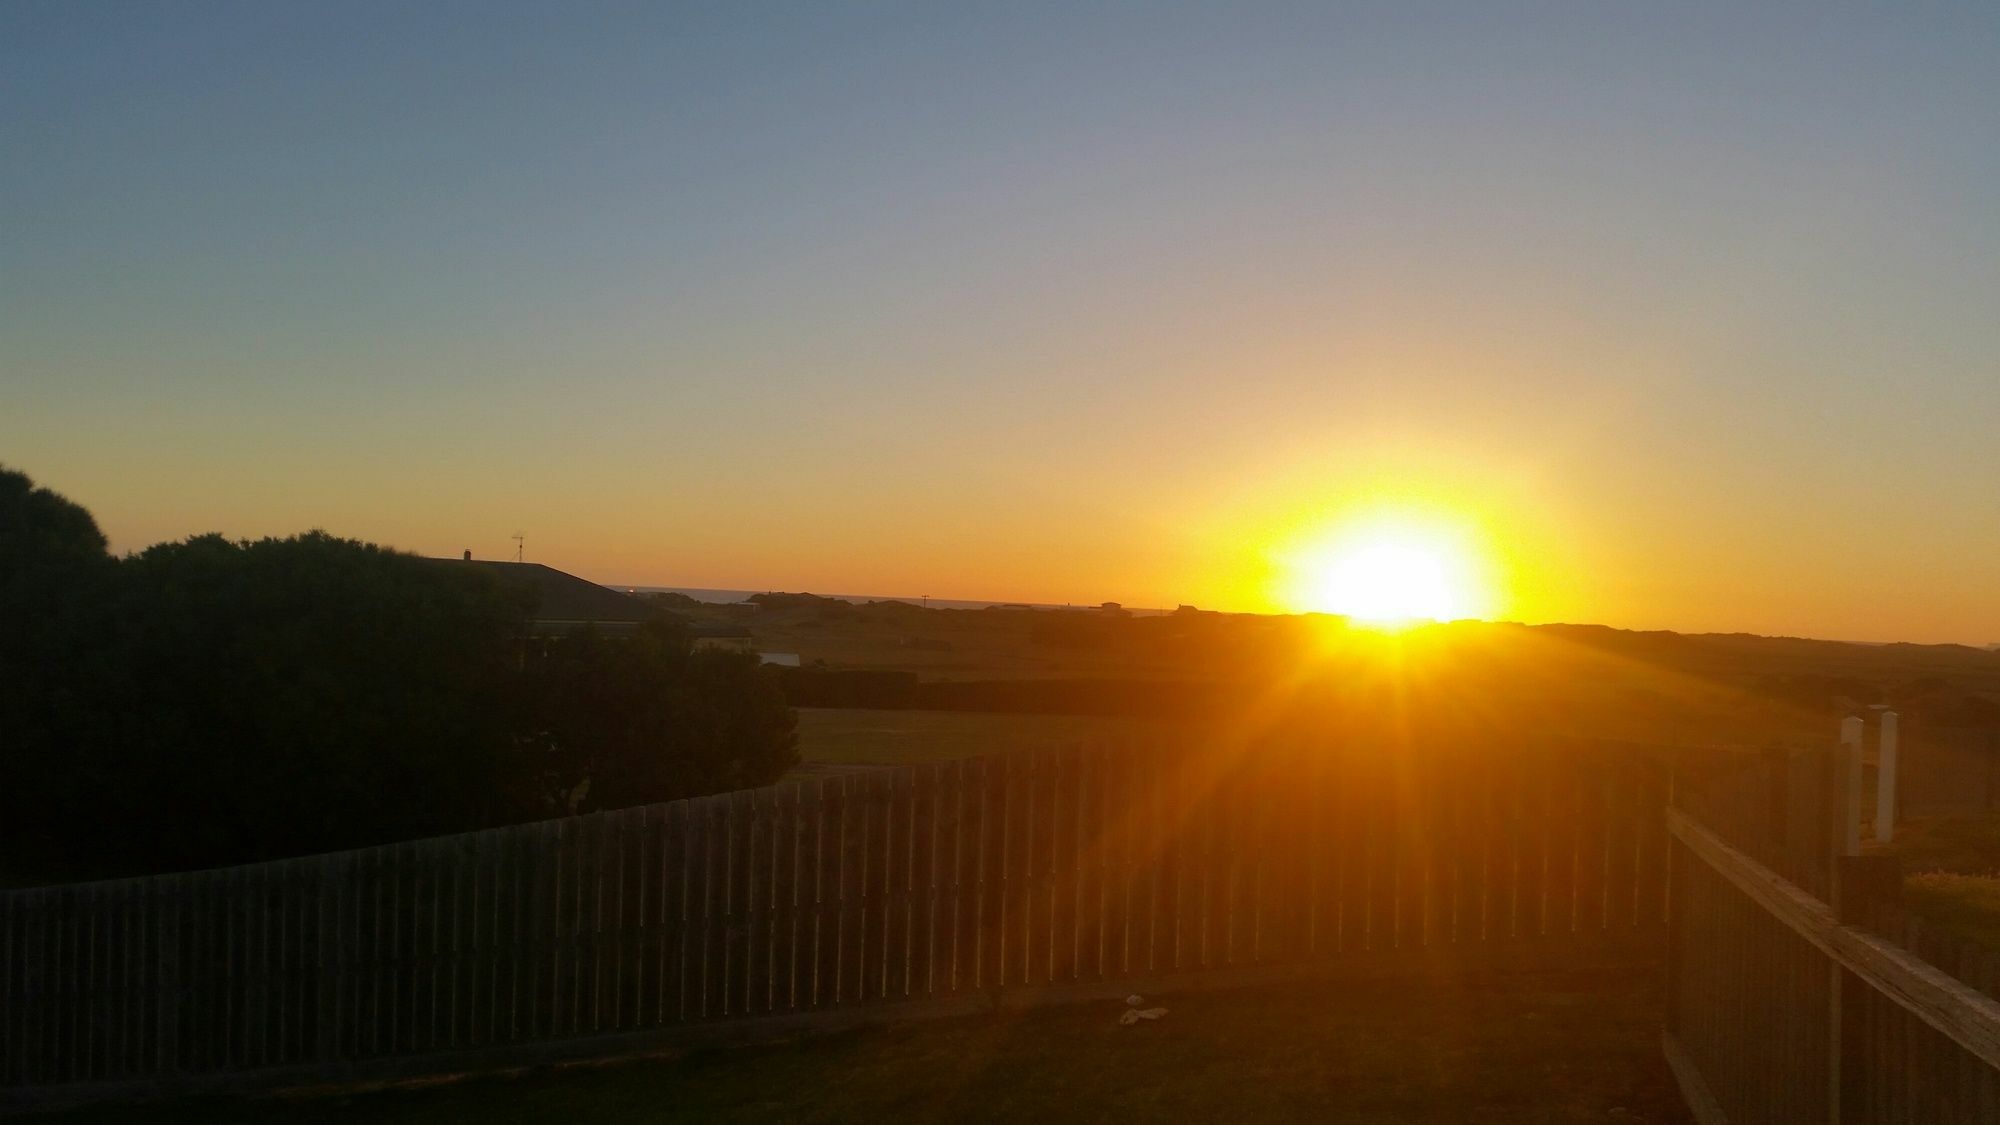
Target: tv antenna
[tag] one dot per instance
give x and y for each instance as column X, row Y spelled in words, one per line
column 520, row 541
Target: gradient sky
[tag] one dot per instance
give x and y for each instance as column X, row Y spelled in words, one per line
column 1691, row 312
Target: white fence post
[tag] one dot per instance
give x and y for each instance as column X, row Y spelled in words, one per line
column 1885, row 779
column 1850, row 775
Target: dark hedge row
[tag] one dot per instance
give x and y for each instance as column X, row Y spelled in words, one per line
column 209, row 702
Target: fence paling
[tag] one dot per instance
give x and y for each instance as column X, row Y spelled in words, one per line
column 1031, row 869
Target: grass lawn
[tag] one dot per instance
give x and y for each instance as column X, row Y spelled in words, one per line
column 852, row 736
column 1953, row 873
column 1966, row 907
column 1958, row 843
column 1580, row 1046
column 1951, row 866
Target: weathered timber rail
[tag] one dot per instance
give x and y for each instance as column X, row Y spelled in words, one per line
column 836, row 894
column 1790, row 1002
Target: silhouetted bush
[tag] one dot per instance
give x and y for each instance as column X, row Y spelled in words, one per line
column 297, row 695
column 55, row 582
column 210, row 702
column 614, row 722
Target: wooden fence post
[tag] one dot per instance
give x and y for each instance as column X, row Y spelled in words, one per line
column 1847, row 787
column 1885, row 778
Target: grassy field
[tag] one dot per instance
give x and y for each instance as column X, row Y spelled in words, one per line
column 939, row 645
column 1509, row 1050
column 901, row 737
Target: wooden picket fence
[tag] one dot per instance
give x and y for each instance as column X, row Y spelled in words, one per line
column 1011, row 872
column 1798, row 992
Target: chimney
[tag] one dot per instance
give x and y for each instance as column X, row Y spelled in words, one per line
column 468, row 554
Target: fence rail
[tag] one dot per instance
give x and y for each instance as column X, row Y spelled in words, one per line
column 1789, row 999
column 1014, row 871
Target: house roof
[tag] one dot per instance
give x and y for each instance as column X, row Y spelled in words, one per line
column 564, row 601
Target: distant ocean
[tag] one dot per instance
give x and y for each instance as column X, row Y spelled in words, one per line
column 725, row 597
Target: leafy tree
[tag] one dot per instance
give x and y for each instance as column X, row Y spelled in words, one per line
column 41, row 531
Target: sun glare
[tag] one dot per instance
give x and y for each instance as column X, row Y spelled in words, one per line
column 1389, row 576
column 1386, row 582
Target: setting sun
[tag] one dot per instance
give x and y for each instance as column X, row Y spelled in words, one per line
column 1389, row 573
column 1388, row 582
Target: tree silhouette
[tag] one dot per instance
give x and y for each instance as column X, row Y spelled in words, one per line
column 54, row 580
column 214, row 701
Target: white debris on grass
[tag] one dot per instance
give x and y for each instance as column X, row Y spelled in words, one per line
column 1134, row 1013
